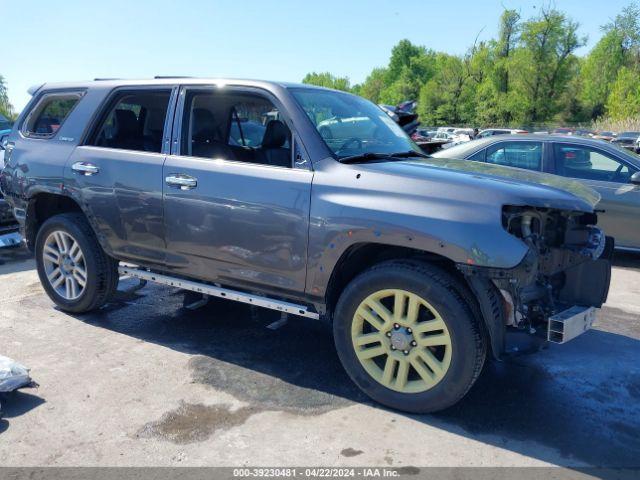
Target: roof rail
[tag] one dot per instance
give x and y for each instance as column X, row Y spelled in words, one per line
column 105, row 79
column 164, row 77
column 34, row 89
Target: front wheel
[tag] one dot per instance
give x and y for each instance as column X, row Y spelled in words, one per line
column 408, row 338
column 73, row 268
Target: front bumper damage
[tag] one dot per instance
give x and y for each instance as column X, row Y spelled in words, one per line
column 556, row 289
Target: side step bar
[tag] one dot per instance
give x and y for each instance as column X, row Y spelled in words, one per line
column 214, row 291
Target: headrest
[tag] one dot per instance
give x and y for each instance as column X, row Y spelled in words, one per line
column 203, row 124
column 155, row 119
column 126, row 122
column 276, row 134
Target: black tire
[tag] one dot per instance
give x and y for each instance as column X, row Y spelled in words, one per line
column 101, row 270
column 443, row 292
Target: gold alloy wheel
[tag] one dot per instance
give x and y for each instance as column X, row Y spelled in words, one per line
column 401, row 341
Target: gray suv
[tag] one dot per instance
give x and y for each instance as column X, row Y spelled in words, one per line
column 228, row 188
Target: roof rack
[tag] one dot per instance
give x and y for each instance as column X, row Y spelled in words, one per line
column 164, row 77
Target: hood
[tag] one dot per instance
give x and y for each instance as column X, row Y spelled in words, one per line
column 515, row 186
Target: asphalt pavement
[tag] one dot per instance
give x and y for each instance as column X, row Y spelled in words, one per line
column 145, row 381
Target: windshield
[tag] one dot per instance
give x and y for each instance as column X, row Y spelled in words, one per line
column 351, row 125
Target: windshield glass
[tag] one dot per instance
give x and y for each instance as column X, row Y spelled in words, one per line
column 351, row 125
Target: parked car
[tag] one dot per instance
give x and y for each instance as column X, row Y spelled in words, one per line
column 611, row 171
column 564, row 131
column 417, row 136
column 490, row 132
column 584, row 132
column 5, row 129
column 9, row 235
column 404, row 114
column 628, row 140
column 420, row 265
column 605, row 136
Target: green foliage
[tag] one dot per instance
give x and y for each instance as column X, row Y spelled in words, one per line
column 624, row 100
column 373, row 85
column 448, row 96
column 326, row 79
column 543, row 65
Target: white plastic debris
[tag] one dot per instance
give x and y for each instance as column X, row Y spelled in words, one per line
column 13, row 375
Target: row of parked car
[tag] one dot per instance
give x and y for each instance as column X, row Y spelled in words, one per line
column 452, row 136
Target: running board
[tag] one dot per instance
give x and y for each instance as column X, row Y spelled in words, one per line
column 214, row 291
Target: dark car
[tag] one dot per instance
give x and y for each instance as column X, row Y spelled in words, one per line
column 628, row 140
column 420, row 265
column 604, row 136
column 611, row 171
column 8, row 225
column 564, row 131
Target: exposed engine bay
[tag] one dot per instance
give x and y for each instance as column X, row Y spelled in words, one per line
column 568, row 264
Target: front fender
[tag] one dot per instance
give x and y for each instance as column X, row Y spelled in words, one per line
column 355, row 208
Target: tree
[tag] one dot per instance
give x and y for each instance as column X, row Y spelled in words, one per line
column 410, row 67
column 328, row 80
column 447, row 98
column 6, row 109
column 618, row 47
column 624, row 99
column 373, row 85
column 543, row 64
column 507, row 41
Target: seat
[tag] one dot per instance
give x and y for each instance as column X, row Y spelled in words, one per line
column 204, row 141
column 127, row 135
column 272, row 149
column 154, row 127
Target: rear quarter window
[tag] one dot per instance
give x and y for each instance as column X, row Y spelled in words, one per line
column 49, row 114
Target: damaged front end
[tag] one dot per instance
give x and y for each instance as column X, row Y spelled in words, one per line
column 562, row 279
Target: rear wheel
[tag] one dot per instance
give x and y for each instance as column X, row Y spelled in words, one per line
column 73, row 268
column 408, row 338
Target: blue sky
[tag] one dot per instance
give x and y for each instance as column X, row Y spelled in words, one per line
column 277, row 40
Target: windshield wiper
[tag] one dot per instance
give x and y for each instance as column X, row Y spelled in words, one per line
column 363, row 157
column 408, row 153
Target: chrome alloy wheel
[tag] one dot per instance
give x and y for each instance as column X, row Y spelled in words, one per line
column 64, row 265
column 401, row 341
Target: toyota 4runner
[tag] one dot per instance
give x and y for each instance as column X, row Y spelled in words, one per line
column 233, row 189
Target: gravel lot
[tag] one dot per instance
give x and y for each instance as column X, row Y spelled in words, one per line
column 146, row 382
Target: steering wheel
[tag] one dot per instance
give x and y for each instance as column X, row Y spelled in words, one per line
column 349, row 141
column 615, row 174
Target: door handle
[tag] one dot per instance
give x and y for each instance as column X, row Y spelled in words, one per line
column 85, row 168
column 181, row 181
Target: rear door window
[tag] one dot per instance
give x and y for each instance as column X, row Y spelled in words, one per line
column 526, row 155
column 50, row 112
column 134, row 121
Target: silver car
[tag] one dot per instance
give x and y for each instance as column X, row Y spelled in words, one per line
column 610, row 170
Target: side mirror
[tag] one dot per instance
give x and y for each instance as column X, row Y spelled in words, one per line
column 635, row 178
